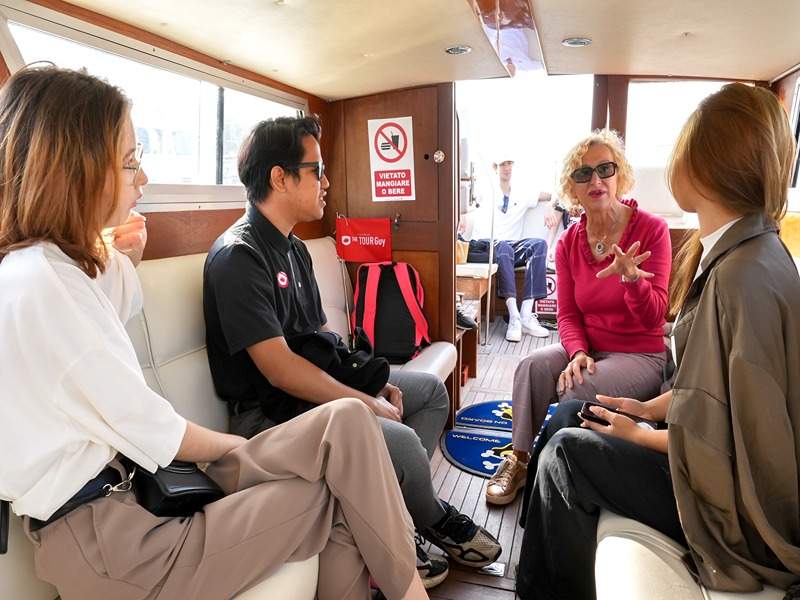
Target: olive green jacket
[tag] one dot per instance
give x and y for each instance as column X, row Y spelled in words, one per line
column 734, row 420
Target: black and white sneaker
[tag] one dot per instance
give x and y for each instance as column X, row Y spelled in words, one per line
column 463, row 320
column 432, row 570
column 463, row 540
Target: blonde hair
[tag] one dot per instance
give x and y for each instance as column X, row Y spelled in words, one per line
column 611, row 140
column 60, row 132
column 737, row 145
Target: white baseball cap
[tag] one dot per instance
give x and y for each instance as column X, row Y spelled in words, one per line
column 503, row 156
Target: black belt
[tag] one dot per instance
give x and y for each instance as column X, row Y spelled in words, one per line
column 108, row 481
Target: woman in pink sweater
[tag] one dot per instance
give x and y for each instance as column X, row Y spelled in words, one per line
column 613, row 273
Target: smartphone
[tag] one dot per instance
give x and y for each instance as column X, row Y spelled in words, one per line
column 588, row 415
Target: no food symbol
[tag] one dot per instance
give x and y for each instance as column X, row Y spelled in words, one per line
column 390, row 142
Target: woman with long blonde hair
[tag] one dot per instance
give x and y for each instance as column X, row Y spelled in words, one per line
column 75, row 399
column 729, row 460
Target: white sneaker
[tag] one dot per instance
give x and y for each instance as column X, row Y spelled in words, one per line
column 514, row 331
column 531, row 327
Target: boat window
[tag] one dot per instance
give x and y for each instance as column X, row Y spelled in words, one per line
column 178, row 118
column 656, row 112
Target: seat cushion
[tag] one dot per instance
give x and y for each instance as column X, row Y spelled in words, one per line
column 439, row 359
column 292, row 581
column 170, row 338
column 17, row 576
column 635, row 561
column 333, row 281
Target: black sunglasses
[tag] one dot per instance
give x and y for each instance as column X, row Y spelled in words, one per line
column 318, row 165
column 584, row 174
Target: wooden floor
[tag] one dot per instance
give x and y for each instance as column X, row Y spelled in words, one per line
column 496, row 363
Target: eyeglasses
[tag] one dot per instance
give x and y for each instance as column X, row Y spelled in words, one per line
column 318, row 165
column 584, row 174
column 135, row 164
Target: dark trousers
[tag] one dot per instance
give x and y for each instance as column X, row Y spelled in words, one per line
column 578, row 473
column 530, row 253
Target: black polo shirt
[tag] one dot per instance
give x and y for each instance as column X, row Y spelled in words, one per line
column 257, row 284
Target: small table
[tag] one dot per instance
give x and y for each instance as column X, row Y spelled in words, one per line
column 467, row 340
column 472, row 281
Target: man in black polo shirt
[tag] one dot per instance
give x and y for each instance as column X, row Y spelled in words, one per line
column 259, row 292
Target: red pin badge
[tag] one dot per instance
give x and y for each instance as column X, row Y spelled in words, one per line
column 283, row 279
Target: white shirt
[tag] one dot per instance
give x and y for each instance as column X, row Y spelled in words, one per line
column 708, row 242
column 73, row 393
column 507, row 225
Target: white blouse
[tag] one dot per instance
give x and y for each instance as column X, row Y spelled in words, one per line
column 72, row 391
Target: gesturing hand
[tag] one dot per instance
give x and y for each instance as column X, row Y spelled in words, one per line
column 627, row 263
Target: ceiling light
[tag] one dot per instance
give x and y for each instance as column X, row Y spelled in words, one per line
column 576, row 42
column 458, row 49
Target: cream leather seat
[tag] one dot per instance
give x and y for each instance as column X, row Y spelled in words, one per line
column 635, row 561
column 170, row 340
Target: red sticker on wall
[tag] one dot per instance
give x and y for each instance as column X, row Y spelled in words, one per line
column 283, row 279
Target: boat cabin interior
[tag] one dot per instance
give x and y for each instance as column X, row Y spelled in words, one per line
column 201, row 74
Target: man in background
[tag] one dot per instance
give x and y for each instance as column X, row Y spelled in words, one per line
column 511, row 250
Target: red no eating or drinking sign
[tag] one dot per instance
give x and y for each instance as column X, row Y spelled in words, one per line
column 391, row 159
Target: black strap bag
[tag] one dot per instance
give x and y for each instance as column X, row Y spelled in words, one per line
column 178, row 490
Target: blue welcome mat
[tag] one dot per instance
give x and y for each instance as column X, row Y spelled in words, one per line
column 480, row 451
column 494, row 414
column 475, row 451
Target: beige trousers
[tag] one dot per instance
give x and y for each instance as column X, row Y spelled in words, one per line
column 320, row 483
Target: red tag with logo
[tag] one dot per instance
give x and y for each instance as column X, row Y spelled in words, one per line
column 283, row 279
column 363, row 240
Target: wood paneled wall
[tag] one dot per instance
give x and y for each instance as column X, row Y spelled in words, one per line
column 425, row 235
column 785, row 88
column 193, row 232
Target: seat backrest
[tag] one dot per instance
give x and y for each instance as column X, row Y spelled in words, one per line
column 169, row 336
column 334, row 283
column 17, row 576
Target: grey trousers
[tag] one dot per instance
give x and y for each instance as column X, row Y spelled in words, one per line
column 410, row 443
column 293, row 491
column 627, row 374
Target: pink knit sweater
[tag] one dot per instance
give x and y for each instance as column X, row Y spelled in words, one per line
column 605, row 314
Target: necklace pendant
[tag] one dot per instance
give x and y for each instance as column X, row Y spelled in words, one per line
column 599, row 248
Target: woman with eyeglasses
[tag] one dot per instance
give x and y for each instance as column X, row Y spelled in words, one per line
column 613, row 271
column 722, row 477
column 75, row 399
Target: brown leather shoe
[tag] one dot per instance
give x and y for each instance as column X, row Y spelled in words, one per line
column 506, row 481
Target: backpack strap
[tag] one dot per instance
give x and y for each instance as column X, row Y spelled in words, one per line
column 420, row 323
column 5, row 524
column 371, row 300
column 355, row 299
column 420, row 291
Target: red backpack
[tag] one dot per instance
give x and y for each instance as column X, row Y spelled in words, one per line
column 388, row 307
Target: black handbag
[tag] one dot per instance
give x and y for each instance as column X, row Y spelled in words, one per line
column 178, row 490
